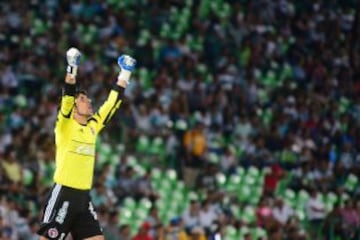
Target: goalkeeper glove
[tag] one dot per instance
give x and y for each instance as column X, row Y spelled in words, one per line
column 127, row 65
column 73, row 59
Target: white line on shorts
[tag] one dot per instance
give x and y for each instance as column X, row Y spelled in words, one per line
column 51, row 203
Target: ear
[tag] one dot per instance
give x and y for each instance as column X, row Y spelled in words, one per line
column 75, row 108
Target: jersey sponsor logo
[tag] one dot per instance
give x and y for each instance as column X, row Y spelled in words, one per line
column 85, row 149
column 53, row 233
column 60, row 217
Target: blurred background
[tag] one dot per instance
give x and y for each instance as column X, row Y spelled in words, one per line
column 241, row 120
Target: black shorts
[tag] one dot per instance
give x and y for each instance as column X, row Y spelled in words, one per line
column 69, row 210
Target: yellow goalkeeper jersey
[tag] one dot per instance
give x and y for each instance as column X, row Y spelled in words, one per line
column 75, row 143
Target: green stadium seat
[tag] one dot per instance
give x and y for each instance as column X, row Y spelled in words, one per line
column 145, row 76
column 236, row 211
column 157, row 147
column 194, row 196
column 144, row 203
column 171, row 174
column 233, row 183
column 129, row 203
column 143, row 144
column 28, row 177
column 139, row 170
column 290, row 197
column 180, row 186
column 351, row 182
column 244, row 193
column 253, row 171
column 300, row 213
column 125, row 215
column 255, row 194
column 242, row 231
column 258, row 232
column 213, row 158
column 344, row 197
column 302, row 198
column 331, row 197
column 189, row 3
column 231, row 233
column 249, row 180
column 248, row 214
column 141, row 213
column 220, row 179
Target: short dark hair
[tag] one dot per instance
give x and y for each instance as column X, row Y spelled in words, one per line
column 123, row 227
column 80, row 91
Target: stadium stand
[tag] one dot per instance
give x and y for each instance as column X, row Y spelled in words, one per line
column 242, row 119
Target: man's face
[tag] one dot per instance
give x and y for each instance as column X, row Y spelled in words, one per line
column 83, row 105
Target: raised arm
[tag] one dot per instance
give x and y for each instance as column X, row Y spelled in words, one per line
column 109, row 107
column 67, row 100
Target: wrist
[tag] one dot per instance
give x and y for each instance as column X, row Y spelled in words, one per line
column 124, row 75
column 72, row 70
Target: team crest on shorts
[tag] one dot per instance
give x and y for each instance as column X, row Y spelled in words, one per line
column 53, row 233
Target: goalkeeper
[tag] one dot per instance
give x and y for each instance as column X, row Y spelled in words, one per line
column 69, row 208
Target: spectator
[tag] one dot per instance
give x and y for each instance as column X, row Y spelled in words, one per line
column 294, row 230
column 272, row 178
column 195, row 143
column 33, row 224
column 282, row 212
column 197, row 233
column 315, row 211
column 12, row 170
column 175, row 230
column 143, row 233
column 191, row 216
column 228, row 161
column 124, row 232
column 5, row 230
column 154, row 220
column 276, row 77
column 206, row 180
column 264, row 215
column 333, row 224
column 351, row 219
column 207, row 215
column 102, row 196
column 144, row 187
column 159, row 232
column 126, row 184
column 111, row 229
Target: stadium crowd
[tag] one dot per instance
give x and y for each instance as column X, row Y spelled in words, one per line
column 224, row 86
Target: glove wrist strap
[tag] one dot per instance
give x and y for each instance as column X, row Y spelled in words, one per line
column 71, row 70
column 124, row 75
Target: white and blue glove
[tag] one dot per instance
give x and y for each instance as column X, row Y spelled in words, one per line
column 73, row 59
column 127, row 65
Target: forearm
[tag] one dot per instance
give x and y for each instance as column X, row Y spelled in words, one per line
column 67, row 100
column 70, row 79
column 121, row 82
column 123, row 78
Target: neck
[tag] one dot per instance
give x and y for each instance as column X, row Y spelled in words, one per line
column 81, row 119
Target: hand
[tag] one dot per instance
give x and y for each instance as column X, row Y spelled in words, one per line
column 73, row 57
column 126, row 63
